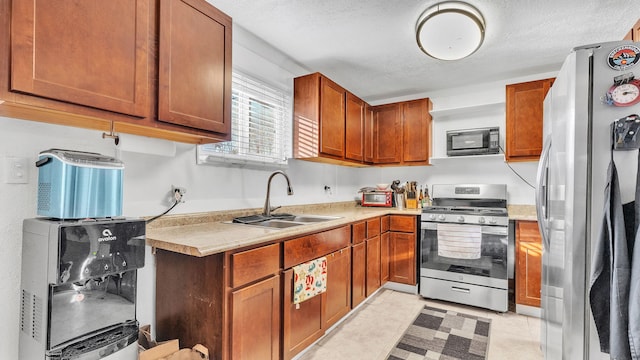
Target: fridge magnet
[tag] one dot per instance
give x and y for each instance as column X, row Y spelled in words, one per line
column 623, row 57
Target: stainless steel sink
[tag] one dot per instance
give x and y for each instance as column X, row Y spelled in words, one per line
column 282, row 221
column 313, row 218
column 277, row 224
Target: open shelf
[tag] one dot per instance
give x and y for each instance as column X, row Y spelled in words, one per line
column 490, row 107
column 449, row 159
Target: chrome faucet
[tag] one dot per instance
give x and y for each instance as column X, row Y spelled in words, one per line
column 267, row 206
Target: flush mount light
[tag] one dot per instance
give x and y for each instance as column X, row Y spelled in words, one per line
column 450, row 30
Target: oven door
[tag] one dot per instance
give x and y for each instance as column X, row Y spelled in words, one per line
column 474, row 254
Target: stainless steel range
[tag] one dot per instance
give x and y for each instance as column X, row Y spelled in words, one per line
column 465, row 252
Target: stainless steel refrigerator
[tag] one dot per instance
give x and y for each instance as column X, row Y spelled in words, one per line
column 594, row 88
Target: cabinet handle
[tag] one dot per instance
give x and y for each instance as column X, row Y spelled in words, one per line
column 459, row 289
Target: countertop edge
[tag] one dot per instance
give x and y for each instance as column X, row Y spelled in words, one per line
column 200, row 239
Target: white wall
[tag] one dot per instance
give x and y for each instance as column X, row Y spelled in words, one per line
column 148, row 177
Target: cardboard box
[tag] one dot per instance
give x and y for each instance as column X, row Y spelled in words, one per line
column 167, row 350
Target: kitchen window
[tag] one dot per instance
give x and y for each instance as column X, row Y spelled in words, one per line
column 260, row 127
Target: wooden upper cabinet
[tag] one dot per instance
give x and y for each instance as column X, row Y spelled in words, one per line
column 153, row 68
column 368, row 134
column 332, row 118
column 194, row 66
column 84, row 52
column 634, row 33
column 329, row 122
column 524, row 114
column 354, row 128
column 402, row 133
column 416, row 132
column 387, row 134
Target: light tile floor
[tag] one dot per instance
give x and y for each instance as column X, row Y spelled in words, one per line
column 373, row 330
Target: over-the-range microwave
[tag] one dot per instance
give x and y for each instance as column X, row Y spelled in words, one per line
column 479, row 141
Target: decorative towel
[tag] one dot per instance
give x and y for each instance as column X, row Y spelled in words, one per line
column 459, row 241
column 309, row 279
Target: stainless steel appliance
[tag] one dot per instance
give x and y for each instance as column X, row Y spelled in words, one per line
column 465, row 253
column 78, row 288
column 589, row 93
column 473, row 141
column 380, row 198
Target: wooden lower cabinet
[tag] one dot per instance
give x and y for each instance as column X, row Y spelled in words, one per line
column 255, row 326
column 402, row 249
column 384, row 257
column 239, row 304
column 301, row 323
column 373, row 264
column 337, row 299
column 307, row 321
column 528, row 263
column 358, row 271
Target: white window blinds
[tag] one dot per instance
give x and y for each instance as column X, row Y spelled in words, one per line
column 260, row 127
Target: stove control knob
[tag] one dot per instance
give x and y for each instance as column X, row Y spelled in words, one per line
column 460, row 218
column 481, row 220
column 441, row 217
column 492, row 220
column 432, row 216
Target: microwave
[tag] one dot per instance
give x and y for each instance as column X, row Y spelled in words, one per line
column 377, row 198
column 480, row 141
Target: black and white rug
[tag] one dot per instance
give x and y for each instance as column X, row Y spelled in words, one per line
column 445, row 335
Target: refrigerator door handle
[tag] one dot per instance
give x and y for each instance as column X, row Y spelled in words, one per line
column 542, row 192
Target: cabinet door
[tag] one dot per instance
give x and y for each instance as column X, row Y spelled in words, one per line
column 194, row 84
column 337, row 299
column 373, row 264
column 416, row 131
column 524, row 112
column 528, row 263
column 387, row 134
column 332, row 117
column 368, row 134
column 302, row 323
column 255, row 321
column 91, row 53
column 384, row 257
column 402, row 252
column 358, row 271
column 354, row 129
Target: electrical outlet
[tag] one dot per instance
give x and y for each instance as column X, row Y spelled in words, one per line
column 16, row 170
column 178, row 193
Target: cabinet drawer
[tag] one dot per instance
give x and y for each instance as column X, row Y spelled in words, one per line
column 384, row 223
column 481, row 296
column 373, row 228
column 254, row 264
column 528, row 231
column 402, row 223
column 310, row 247
column 358, row 232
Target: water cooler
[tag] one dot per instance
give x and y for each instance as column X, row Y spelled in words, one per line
column 79, row 263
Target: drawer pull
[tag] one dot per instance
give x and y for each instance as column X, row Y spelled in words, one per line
column 459, row 289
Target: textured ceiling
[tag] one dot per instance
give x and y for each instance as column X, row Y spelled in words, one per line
column 369, row 46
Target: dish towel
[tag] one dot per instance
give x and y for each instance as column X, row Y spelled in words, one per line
column 459, row 241
column 309, row 279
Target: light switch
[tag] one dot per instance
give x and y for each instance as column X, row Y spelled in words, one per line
column 16, row 170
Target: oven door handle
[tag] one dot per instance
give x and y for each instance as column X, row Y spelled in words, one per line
column 485, row 229
column 542, row 192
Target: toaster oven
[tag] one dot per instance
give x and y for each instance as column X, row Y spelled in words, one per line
column 377, row 198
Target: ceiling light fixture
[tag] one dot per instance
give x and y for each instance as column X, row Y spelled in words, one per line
column 450, row 30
